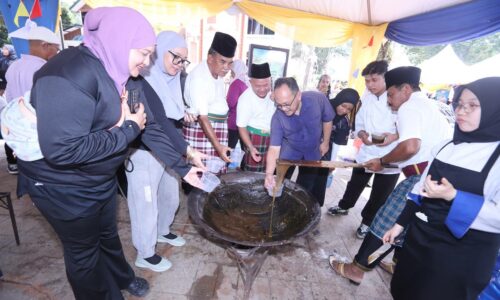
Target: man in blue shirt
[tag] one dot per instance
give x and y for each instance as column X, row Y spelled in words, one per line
column 300, row 130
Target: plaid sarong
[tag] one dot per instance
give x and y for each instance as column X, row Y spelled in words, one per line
column 261, row 143
column 195, row 136
column 388, row 214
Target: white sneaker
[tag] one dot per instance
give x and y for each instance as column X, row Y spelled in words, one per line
column 163, row 265
column 172, row 239
column 362, row 231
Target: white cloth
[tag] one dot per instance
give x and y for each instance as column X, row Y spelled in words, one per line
column 473, row 156
column 153, row 199
column 203, row 93
column 419, row 118
column 19, row 129
column 254, row 111
column 375, row 116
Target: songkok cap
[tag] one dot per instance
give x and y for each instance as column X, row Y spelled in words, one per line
column 398, row 76
column 224, row 44
column 259, row 71
column 31, row 31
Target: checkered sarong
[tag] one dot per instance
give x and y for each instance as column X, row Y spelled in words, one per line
column 388, row 214
column 195, row 136
column 261, row 143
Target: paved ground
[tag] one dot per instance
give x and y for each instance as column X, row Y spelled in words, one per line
column 201, row 269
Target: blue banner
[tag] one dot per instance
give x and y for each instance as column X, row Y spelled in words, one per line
column 16, row 12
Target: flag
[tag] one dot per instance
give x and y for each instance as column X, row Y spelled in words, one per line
column 15, row 13
column 36, row 10
column 20, row 12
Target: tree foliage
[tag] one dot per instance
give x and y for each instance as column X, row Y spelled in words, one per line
column 470, row 52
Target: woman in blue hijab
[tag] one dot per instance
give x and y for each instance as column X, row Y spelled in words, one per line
column 153, row 189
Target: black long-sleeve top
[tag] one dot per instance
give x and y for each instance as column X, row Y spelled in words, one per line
column 77, row 108
column 159, row 115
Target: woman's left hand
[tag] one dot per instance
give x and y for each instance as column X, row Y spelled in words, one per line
column 192, row 177
column 433, row 189
column 196, row 157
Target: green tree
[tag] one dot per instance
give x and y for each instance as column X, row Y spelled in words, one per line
column 66, row 18
column 4, row 35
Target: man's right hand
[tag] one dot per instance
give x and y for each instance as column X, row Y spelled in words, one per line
column 256, row 155
column 269, row 182
column 222, row 151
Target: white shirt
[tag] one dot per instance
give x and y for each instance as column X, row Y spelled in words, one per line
column 203, row 93
column 375, row 116
column 473, row 156
column 419, row 118
column 254, row 111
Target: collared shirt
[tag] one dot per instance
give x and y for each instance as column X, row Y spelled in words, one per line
column 254, row 111
column 419, row 118
column 375, row 116
column 203, row 93
column 300, row 135
column 19, row 76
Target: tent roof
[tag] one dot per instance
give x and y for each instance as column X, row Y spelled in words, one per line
column 370, row 12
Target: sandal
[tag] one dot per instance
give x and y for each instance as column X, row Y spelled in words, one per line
column 339, row 268
column 388, row 267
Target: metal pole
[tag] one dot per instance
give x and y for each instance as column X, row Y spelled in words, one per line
column 61, row 33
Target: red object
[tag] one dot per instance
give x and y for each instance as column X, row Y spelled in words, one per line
column 36, row 10
column 370, row 43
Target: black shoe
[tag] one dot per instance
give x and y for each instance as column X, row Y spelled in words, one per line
column 337, row 211
column 139, row 287
column 362, row 231
column 12, row 169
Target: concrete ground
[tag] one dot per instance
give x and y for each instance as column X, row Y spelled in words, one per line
column 201, row 269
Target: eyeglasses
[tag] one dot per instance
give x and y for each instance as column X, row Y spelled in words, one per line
column 179, row 60
column 285, row 106
column 467, row 107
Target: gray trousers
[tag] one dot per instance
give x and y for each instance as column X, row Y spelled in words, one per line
column 153, row 199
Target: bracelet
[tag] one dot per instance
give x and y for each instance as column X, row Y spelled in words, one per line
column 190, row 153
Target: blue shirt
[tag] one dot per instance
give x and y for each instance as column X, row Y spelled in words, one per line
column 300, row 135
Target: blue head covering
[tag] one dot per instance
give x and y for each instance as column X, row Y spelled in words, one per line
column 166, row 86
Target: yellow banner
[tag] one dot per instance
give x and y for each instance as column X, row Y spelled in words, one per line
column 366, row 42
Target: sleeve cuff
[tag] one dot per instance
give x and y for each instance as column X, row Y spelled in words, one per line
column 464, row 210
column 131, row 130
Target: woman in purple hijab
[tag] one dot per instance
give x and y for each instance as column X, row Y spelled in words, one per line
column 84, row 128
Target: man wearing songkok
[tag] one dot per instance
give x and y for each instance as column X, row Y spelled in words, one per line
column 205, row 95
column 254, row 113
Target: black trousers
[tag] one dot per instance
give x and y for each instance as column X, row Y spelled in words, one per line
column 233, row 137
column 306, row 178
column 383, row 185
column 11, row 159
column 95, row 264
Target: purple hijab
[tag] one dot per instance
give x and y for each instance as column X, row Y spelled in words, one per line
column 111, row 32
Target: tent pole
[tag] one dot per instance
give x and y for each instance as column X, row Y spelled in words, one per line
column 368, row 6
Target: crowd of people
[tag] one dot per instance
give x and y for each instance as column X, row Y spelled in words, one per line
column 118, row 100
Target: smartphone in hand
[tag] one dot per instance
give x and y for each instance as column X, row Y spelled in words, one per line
column 133, row 100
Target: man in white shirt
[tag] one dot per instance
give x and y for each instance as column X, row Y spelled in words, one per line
column 374, row 117
column 420, row 127
column 253, row 118
column 206, row 97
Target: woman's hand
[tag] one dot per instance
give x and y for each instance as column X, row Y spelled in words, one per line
column 364, row 136
column 192, row 177
column 195, row 157
column 189, row 118
column 432, row 189
column 392, row 233
column 139, row 117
